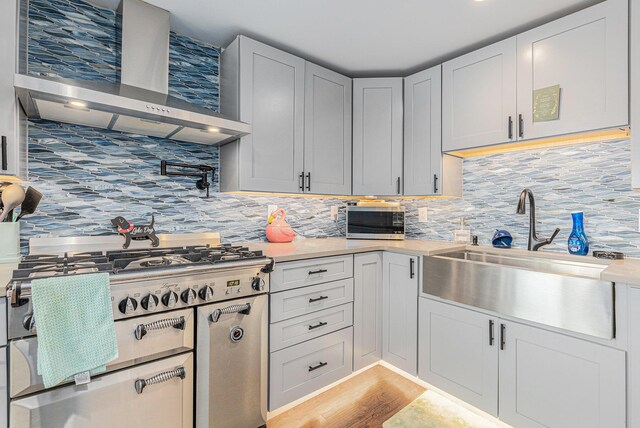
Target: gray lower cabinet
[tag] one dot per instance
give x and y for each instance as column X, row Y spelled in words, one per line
column 311, row 326
column 327, row 131
column 377, row 136
column 459, row 353
column 309, row 366
column 400, row 311
column 634, row 358
column 263, row 86
column 540, row 378
column 367, row 309
column 4, row 390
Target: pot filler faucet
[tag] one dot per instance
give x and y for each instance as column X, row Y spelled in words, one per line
column 535, row 243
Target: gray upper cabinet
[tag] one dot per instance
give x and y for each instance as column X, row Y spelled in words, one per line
column 263, row 86
column 13, row 136
column 377, row 136
column 327, row 131
column 426, row 170
column 479, row 97
column 586, row 54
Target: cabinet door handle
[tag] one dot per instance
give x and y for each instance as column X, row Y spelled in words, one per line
column 520, row 126
column 491, row 338
column 317, row 299
column 411, row 268
column 301, row 181
column 320, row 324
column 315, row 272
column 308, row 181
column 3, row 154
column 321, row 364
column 398, row 186
column 435, row 183
column 510, row 128
column 503, row 336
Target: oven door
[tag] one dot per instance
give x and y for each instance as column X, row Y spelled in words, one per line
column 120, row 399
column 172, row 333
column 375, row 223
column 232, row 364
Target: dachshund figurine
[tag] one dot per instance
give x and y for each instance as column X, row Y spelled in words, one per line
column 130, row 231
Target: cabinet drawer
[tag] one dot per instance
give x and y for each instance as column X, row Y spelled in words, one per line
column 299, row 329
column 303, row 301
column 308, row 272
column 304, row 368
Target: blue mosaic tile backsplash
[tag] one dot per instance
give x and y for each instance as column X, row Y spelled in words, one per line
column 90, row 175
column 76, row 40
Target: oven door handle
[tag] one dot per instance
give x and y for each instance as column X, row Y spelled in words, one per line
column 141, row 384
column 143, row 329
column 240, row 309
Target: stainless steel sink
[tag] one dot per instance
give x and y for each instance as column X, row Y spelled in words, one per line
column 558, row 293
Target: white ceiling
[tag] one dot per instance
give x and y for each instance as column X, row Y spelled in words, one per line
column 364, row 37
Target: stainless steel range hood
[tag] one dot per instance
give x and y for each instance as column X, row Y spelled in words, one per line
column 139, row 103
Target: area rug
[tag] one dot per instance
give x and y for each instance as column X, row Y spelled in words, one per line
column 432, row 410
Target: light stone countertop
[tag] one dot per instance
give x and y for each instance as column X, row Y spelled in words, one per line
column 622, row 271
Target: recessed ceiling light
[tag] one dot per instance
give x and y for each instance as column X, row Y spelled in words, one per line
column 79, row 104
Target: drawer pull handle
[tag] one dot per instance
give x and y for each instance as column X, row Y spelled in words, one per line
column 320, row 324
column 141, row 384
column 312, row 368
column 315, row 272
column 317, row 299
column 143, row 329
column 241, row 309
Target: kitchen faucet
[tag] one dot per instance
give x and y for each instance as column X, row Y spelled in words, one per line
column 535, row 243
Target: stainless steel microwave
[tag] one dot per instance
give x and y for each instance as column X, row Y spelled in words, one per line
column 375, row 222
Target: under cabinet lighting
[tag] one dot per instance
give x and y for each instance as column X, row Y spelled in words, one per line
column 601, row 136
column 78, row 104
column 213, row 130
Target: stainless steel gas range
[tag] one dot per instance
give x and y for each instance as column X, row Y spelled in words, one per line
column 177, row 309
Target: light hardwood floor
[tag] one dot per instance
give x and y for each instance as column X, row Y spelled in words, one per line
column 366, row 400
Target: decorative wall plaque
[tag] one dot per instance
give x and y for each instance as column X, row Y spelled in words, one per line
column 546, row 104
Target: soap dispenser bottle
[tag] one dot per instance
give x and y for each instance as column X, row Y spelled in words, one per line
column 463, row 233
column 578, row 243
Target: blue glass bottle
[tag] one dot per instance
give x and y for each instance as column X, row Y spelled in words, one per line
column 578, row 242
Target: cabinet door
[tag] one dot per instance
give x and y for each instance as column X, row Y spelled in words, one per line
column 377, row 136
column 10, row 146
column 423, row 133
column 327, row 131
column 479, row 97
column 272, row 101
column 458, row 353
column 400, row 311
column 551, row 380
column 586, row 54
column 367, row 309
column 634, row 358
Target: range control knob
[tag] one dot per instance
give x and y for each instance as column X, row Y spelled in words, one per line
column 257, row 283
column 128, row 305
column 149, row 302
column 169, row 299
column 188, row 296
column 206, row 293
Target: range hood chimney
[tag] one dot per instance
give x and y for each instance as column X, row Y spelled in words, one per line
column 143, row 30
column 139, row 103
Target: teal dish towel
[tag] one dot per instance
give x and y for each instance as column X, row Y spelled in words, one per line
column 76, row 331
